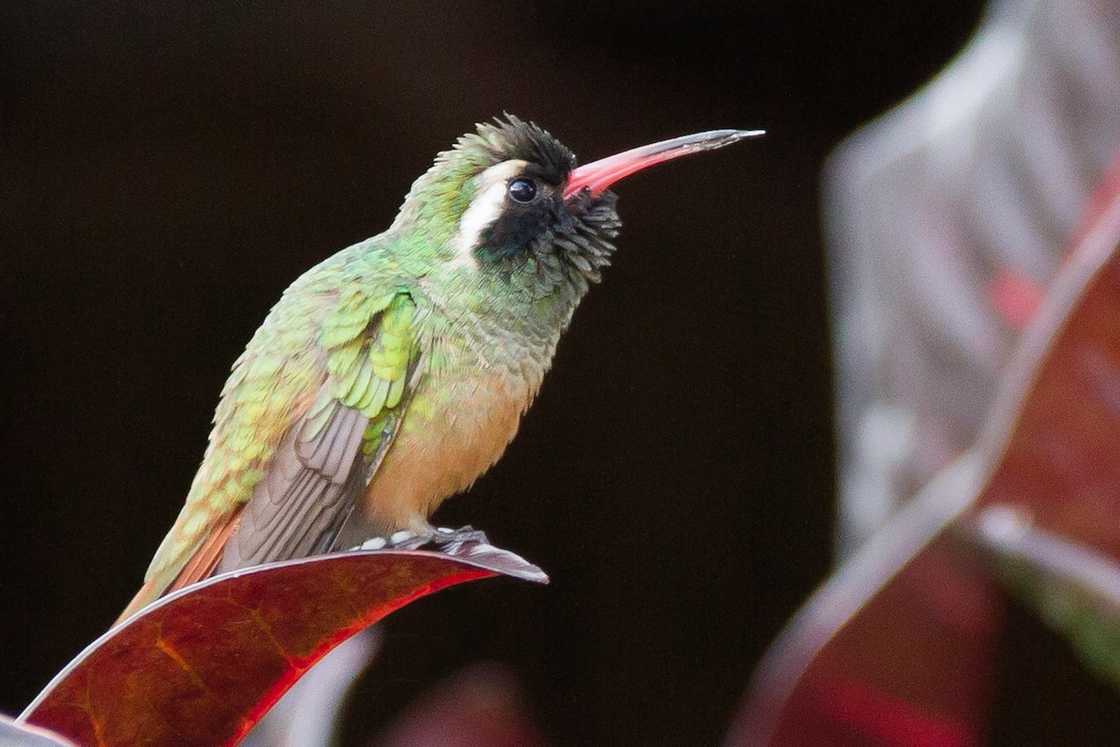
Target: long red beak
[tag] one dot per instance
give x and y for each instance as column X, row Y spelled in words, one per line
column 600, row 175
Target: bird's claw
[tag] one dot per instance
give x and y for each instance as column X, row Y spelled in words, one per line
column 448, row 540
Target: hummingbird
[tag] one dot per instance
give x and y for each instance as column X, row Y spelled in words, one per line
column 394, row 373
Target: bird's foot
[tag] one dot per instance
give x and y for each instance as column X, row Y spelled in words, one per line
column 450, row 539
column 442, row 539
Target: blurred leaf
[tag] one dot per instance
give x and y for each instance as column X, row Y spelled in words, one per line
column 946, row 221
column 881, row 655
column 15, row 734
column 200, row 667
column 950, row 222
column 482, row 705
column 897, row 648
column 1075, row 589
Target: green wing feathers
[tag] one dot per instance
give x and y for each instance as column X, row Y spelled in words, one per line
column 304, row 419
column 369, row 372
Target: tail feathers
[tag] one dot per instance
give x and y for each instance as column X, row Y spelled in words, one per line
column 148, row 593
column 199, row 565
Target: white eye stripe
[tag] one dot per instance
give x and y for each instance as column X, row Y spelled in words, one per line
column 486, row 206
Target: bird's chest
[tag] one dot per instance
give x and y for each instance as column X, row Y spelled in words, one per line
column 455, row 428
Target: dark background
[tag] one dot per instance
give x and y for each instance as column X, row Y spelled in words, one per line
column 169, row 168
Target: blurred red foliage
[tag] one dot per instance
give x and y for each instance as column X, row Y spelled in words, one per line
column 898, row 649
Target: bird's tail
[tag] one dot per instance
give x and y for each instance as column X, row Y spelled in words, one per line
column 148, row 593
column 198, row 566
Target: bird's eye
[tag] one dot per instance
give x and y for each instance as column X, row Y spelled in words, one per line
column 522, row 190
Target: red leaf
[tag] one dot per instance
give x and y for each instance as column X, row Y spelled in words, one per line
column 897, row 648
column 202, row 666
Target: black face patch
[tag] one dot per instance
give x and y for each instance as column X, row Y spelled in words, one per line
column 518, row 225
column 560, row 243
column 569, row 242
column 547, row 165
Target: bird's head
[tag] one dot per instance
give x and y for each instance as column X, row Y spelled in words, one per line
column 508, row 205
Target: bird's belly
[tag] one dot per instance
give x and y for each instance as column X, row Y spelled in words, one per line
column 452, row 432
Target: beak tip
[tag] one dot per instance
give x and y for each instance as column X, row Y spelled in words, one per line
column 721, row 138
column 734, row 136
